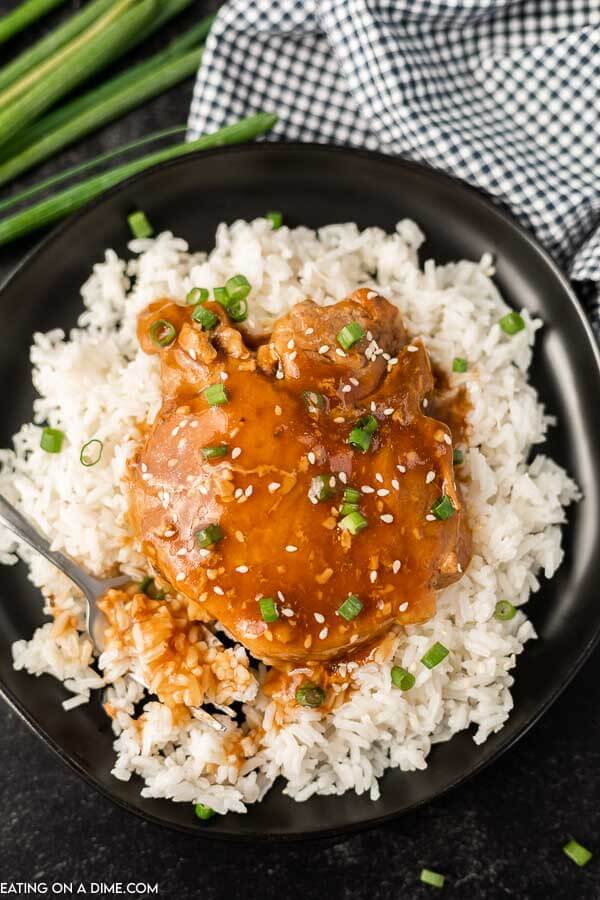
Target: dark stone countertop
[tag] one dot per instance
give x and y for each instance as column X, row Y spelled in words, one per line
column 498, row 836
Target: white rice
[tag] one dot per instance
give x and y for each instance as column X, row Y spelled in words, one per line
column 96, row 383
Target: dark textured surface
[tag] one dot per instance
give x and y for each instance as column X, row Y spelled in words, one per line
column 498, row 836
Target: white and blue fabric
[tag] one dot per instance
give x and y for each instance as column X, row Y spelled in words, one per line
column 504, row 94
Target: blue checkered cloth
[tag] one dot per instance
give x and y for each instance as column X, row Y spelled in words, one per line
column 504, row 94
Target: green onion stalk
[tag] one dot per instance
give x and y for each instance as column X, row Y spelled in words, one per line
column 18, row 19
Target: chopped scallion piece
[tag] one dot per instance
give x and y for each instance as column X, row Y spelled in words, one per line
column 359, row 439
column 435, row 655
column 314, row 400
column 402, row 679
column 353, row 522
column 268, row 609
column 578, row 853
column 238, row 310
column 458, row 457
column 443, row 508
column 432, row 878
column 368, row 423
column 459, row 364
column 91, row 452
column 147, row 586
column 350, row 608
column 221, row 297
column 349, row 335
column 505, row 611
column 351, row 495
column 347, row 508
column 237, row 288
column 197, row 295
column 512, row 322
column 52, row 440
column 275, row 218
column 162, row 333
column 205, row 317
column 139, row 224
column 204, row 812
column 215, row 394
column 310, row 694
column 321, row 487
column 215, row 451
column 208, row 536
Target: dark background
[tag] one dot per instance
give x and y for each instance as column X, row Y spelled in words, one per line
column 498, row 836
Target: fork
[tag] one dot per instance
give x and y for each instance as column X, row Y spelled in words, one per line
column 92, row 588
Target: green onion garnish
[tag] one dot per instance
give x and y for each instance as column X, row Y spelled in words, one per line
column 458, row 457
column 432, row 878
column 435, row 655
column 349, row 335
column 139, row 224
column 347, row 508
column 310, row 694
column 147, row 586
column 512, row 322
column 353, row 522
column 275, row 218
column 215, row 394
column 459, row 364
column 221, row 297
column 351, row 495
column 196, row 295
column 359, row 439
column 443, row 508
column 321, row 487
column 314, row 400
column 52, row 440
column 578, row 853
column 505, row 611
column 368, row 423
column 215, row 451
column 204, row 812
column 205, row 317
column 91, row 452
column 208, row 536
column 268, row 610
column 162, row 333
column 237, row 288
column 238, row 310
column 350, row 608
column 402, row 679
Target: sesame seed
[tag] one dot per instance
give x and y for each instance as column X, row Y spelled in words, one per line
column 379, row 477
column 224, row 376
column 281, row 597
column 241, row 569
column 389, row 411
column 291, row 344
column 339, row 351
column 273, row 486
column 395, row 484
column 279, row 374
column 343, row 477
column 373, row 576
column 278, row 410
column 238, row 493
column 430, row 518
column 429, row 477
column 144, row 467
column 346, row 389
column 180, row 576
column 236, row 452
column 175, row 432
column 354, row 381
column 169, row 533
column 292, row 356
column 396, row 566
column 371, row 295
column 287, row 612
column 290, row 548
column 192, row 353
column 369, row 335
column 382, row 492
column 311, row 458
column 403, row 606
column 181, row 552
column 447, row 439
column 332, row 481
column 218, row 590
column 309, row 331
column 366, row 489
column 320, row 618
column 339, row 420
column 323, row 633
column 401, row 469
column 249, row 490
column 323, row 348
column 412, row 349
column 393, row 362
column 425, row 403
column 146, row 477
column 387, row 518
column 373, row 406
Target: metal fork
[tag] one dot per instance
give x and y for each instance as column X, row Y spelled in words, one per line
column 92, row 588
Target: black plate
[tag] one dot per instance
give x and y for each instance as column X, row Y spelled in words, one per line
column 315, row 185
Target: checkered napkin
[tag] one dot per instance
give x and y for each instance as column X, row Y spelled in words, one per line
column 504, row 94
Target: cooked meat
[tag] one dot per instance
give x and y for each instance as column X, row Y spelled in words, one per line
column 277, row 490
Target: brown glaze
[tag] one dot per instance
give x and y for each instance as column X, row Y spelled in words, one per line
column 277, row 542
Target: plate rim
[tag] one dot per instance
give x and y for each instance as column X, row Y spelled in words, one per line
column 496, row 208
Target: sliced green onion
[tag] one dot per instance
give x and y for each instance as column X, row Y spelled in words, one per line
column 347, row 508
column 577, row 852
column 458, row 457
column 52, row 440
column 359, row 439
column 512, row 322
column 147, row 586
column 402, row 679
column 435, row 655
column 140, row 225
column 91, row 452
column 204, row 317
column 208, row 536
column 352, row 495
column 215, row 394
column 368, row 423
column 505, row 611
column 310, row 694
column 238, row 287
column 197, row 295
column 275, row 218
column 432, row 878
column 321, row 487
column 349, row 335
column 23, row 15
column 314, row 400
column 220, row 295
column 238, row 310
column 268, row 609
column 350, row 608
column 443, row 508
column 459, row 364
column 215, row 452
column 204, row 812
column 162, row 333
column 353, row 522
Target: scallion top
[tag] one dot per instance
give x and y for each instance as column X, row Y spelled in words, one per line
column 350, row 335
column 215, row 394
column 139, row 224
